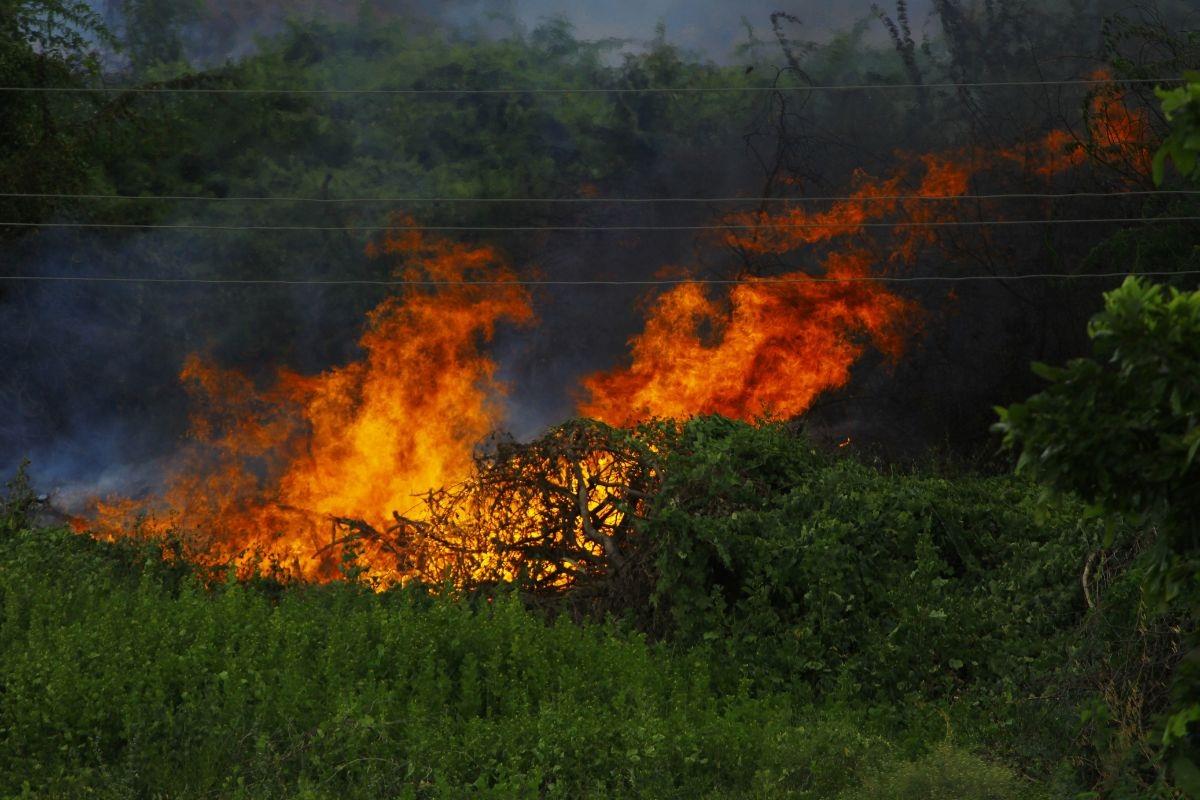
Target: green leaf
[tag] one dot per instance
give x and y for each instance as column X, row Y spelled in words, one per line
column 1191, row 456
column 1185, row 161
column 1186, row 775
column 1158, row 167
column 1046, row 371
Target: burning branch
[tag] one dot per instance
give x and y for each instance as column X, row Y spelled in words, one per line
column 556, row 512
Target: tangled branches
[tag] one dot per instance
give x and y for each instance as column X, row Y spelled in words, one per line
column 560, row 511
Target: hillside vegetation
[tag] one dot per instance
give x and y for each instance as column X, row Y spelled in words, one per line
column 824, row 630
column 203, row 341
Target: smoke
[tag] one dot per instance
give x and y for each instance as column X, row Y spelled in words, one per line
column 92, row 369
column 216, row 32
column 712, row 28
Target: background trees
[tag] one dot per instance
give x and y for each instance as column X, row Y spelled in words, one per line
column 1121, row 429
column 46, row 139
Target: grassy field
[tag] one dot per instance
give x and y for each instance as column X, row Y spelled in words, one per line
column 124, row 679
column 868, row 635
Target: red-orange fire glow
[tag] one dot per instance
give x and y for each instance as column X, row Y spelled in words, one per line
column 277, row 466
column 274, row 465
column 771, row 349
column 774, row 346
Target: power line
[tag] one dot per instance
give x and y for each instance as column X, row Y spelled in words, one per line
column 602, row 200
column 536, row 282
column 566, row 90
column 584, row 228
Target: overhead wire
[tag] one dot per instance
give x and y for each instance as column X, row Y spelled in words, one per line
column 563, row 282
column 585, row 228
column 566, row 90
column 604, row 200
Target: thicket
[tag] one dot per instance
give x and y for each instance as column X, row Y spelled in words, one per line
column 824, row 630
column 121, row 680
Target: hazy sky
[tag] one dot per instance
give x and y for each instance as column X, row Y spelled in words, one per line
column 713, row 26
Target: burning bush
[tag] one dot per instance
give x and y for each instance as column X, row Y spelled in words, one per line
column 374, row 462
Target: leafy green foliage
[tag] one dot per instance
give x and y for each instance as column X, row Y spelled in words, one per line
column 819, row 625
column 119, row 684
column 65, row 33
column 1122, row 428
column 799, row 564
column 45, row 142
column 152, row 34
column 17, row 503
column 1182, row 145
column 946, row 773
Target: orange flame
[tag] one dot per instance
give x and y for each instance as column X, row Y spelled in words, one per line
column 274, row 465
column 772, row 349
column 774, row 346
column 1116, row 136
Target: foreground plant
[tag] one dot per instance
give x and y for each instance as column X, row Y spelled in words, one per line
column 1121, row 429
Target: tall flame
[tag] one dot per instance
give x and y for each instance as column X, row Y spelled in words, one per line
column 275, row 464
column 772, row 346
column 276, row 467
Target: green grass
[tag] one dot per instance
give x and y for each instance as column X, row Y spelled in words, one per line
column 122, row 677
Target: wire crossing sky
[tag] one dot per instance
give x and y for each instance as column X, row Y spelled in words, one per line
column 551, row 282
column 584, row 228
column 568, row 90
column 605, row 200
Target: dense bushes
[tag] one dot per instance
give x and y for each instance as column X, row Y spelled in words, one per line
column 819, row 627
column 798, row 563
column 1119, row 429
column 944, row 774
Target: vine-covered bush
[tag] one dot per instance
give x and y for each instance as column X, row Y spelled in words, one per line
column 809, row 567
column 820, row 625
column 1121, row 429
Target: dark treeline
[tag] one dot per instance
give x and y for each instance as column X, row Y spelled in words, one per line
column 121, row 345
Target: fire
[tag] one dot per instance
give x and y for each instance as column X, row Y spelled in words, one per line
column 1119, row 135
column 273, row 465
column 772, row 346
column 380, row 457
column 1116, row 136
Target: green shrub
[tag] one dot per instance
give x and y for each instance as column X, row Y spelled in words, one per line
column 820, row 619
column 812, row 570
column 1120, row 429
column 1181, row 107
column 946, row 773
column 17, row 503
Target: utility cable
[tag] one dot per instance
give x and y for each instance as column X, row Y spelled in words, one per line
column 535, row 282
column 585, row 228
column 567, row 90
column 604, row 200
